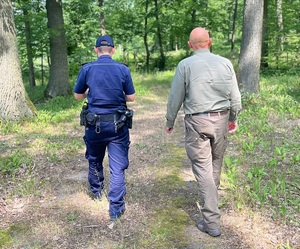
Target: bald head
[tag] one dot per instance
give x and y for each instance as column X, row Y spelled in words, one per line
column 199, row 38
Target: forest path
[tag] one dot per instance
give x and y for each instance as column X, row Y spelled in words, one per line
column 161, row 200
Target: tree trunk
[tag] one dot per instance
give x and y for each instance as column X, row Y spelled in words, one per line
column 265, row 37
column 102, row 25
column 162, row 60
column 146, row 36
column 58, row 84
column 280, row 38
column 29, row 46
column 234, row 24
column 14, row 102
column 250, row 55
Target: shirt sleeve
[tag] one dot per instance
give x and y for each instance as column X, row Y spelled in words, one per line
column 81, row 86
column 176, row 96
column 129, row 87
column 235, row 99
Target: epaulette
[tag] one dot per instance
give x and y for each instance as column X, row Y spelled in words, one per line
column 84, row 63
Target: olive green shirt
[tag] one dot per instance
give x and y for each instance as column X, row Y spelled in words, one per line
column 204, row 82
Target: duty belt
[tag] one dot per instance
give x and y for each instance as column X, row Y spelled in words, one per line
column 120, row 118
column 93, row 118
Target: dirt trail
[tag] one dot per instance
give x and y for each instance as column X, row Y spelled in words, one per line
column 64, row 216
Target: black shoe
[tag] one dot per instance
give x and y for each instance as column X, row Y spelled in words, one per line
column 202, row 226
column 95, row 197
column 116, row 217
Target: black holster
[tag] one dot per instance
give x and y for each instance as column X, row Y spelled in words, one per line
column 83, row 114
column 125, row 118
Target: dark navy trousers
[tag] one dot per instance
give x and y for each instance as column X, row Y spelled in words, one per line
column 117, row 146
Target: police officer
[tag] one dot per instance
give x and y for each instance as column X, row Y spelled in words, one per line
column 206, row 85
column 107, row 85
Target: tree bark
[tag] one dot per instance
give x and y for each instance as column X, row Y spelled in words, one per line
column 102, row 24
column 162, row 60
column 250, row 56
column 234, row 24
column 265, row 37
column 280, row 38
column 14, row 102
column 58, row 84
column 29, row 46
column 146, row 36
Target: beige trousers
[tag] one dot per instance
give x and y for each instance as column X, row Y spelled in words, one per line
column 205, row 143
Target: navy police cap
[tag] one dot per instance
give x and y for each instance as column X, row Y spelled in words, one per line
column 105, row 41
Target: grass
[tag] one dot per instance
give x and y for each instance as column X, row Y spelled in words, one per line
column 260, row 172
column 268, row 139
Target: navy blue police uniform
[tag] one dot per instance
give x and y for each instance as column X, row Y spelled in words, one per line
column 107, row 81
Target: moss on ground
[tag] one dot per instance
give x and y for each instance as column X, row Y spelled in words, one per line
column 5, row 238
column 170, row 222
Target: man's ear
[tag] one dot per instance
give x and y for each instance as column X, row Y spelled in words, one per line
column 113, row 50
column 190, row 44
column 96, row 50
column 209, row 42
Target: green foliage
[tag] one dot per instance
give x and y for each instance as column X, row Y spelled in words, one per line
column 9, row 127
column 27, row 187
column 36, row 94
column 269, row 145
column 11, row 163
column 37, row 19
column 260, row 172
column 72, row 216
column 125, row 22
column 231, row 167
column 57, row 110
column 151, row 84
column 12, row 234
column 31, row 139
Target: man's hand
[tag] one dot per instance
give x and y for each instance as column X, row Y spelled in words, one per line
column 169, row 130
column 232, row 127
column 79, row 96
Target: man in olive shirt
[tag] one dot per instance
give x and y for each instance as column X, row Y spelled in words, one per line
column 206, row 85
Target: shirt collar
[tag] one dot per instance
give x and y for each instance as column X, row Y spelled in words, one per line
column 104, row 56
column 202, row 50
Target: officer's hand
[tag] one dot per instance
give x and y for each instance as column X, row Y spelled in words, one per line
column 232, row 127
column 169, row 130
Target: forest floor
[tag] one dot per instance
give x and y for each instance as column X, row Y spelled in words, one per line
column 161, row 202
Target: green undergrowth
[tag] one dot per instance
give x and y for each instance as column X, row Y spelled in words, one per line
column 28, row 145
column 263, row 170
column 153, row 84
column 261, row 165
column 14, row 233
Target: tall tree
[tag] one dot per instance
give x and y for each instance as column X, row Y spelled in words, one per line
column 162, row 59
column 280, row 37
column 14, row 102
column 235, row 2
column 26, row 14
column 102, row 24
column 265, row 37
column 250, row 55
column 146, row 35
column 58, row 84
